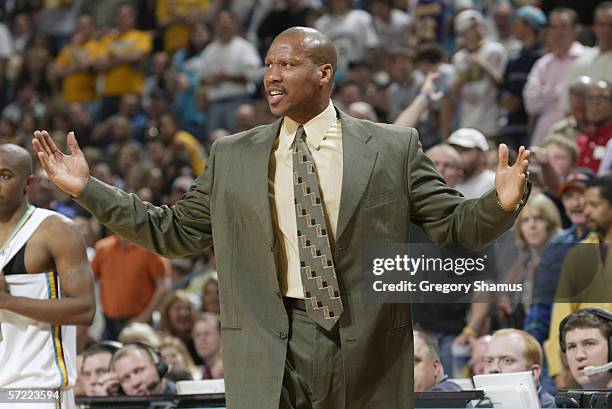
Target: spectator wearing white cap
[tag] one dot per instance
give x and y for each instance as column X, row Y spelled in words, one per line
column 473, row 147
column 479, row 68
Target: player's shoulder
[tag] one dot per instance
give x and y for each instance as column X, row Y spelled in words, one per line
column 55, row 225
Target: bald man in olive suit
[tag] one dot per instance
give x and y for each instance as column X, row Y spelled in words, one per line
column 373, row 181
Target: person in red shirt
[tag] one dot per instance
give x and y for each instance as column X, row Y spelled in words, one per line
column 592, row 144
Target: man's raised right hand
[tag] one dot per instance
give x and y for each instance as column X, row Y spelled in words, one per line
column 69, row 172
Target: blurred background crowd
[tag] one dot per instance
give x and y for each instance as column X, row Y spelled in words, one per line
column 148, row 85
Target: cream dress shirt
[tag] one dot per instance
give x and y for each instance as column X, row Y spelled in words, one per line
column 324, row 139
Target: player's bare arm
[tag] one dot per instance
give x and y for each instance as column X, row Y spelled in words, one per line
column 57, row 245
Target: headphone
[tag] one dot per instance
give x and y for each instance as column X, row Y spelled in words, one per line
column 598, row 312
column 161, row 367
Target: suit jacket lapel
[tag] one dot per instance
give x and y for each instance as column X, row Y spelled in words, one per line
column 358, row 162
column 255, row 160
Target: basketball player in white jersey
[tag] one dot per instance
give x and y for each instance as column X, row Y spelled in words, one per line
column 46, row 288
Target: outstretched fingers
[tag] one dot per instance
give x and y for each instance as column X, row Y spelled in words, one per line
column 503, row 156
column 45, row 143
column 52, row 147
column 73, row 145
column 522, row 160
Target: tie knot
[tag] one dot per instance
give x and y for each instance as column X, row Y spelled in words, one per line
column 300, row 133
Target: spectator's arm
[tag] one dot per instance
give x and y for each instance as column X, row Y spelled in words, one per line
column 409, row 117
column 162, row 284
column 488, row 68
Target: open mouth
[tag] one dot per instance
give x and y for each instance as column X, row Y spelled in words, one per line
column 275, row 96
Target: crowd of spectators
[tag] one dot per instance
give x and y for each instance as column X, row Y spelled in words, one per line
column 147, row 87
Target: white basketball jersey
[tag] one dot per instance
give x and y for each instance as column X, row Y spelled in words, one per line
column 34, row 354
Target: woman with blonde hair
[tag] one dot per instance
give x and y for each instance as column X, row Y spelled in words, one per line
column 535, row 225
column 174, row 352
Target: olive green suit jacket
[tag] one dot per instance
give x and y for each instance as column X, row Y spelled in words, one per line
column 387, row 184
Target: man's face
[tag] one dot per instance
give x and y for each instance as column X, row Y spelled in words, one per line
column 587, row 347
column 561, row 31
column 225, row 27
column 85, row 24
column 603, row 29
column 597, row 210
column 400, row 68
column 573, row 203
column 520, row 29
column 472, row 37
column 206, row 339
column 13, row 184
column 472, row 158
column 505, row 354
column 136, row 373
column 502, row 16
column 447, row 166
column 93, row 368
column 293, row 82
column 125, row 18
column 599, row 105
column 578, row 109
column 426, row 368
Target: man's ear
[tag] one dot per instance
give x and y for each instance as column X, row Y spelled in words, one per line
column 326, row 71
column 437, row 368
column 28, row 184
column 536, row 370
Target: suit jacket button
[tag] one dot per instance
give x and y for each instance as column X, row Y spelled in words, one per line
column 282, row 335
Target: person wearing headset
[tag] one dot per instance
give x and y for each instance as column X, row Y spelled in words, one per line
column 95, row 364
column 139, row 371
column 586, row 339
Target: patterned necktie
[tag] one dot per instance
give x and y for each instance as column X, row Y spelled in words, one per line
column 323, row 303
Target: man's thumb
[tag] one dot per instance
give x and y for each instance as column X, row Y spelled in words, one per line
column 73, row 145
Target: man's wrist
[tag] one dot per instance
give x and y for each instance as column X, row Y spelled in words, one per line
column 520, row 203
column 502, row 206
column 469, row 331
column 426, row 96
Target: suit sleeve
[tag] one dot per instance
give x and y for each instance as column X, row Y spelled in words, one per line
column 176, row 231
column 443, row 214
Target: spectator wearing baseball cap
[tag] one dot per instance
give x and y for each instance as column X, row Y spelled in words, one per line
column 527, row 27
column 548, row 272
column 472, row 145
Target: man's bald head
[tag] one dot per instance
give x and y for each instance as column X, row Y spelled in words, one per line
column 580, row 86
column 319, row 47
column 22, row 158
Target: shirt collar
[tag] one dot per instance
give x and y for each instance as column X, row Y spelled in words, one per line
column 575, row 50
column 315, row 129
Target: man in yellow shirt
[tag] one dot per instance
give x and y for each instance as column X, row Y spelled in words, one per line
column 74, row 64
column 176, row 17
column 121, row 60
column 172, row 135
